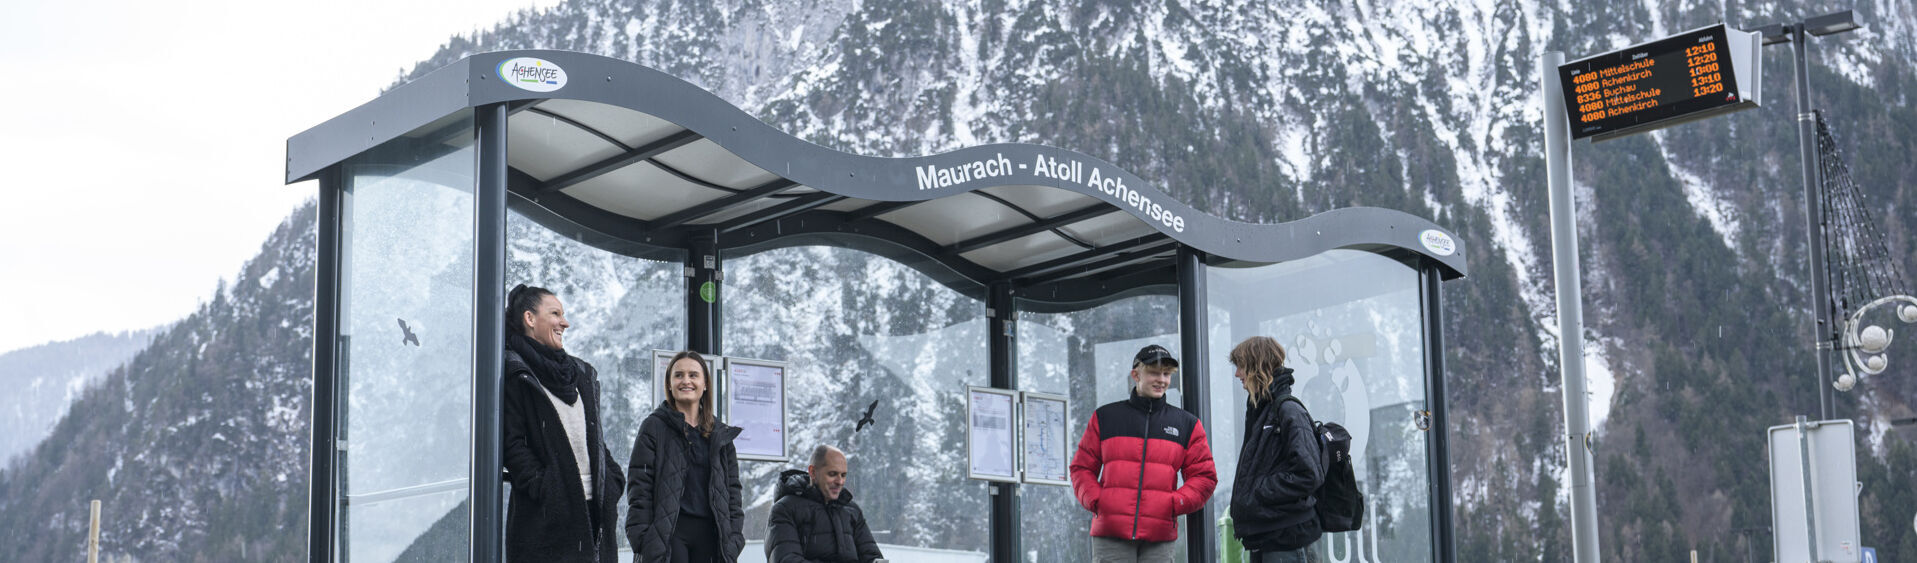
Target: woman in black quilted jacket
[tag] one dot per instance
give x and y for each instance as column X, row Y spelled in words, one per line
column 683, row 501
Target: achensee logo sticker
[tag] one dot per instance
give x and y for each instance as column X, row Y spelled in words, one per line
column 538, row 75
column 1438, row 242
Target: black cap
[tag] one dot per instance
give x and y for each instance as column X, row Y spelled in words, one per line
column 1154, row 355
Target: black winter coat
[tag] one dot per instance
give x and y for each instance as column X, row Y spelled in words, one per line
column 548, row 517
column 805, row 528
column 1279, row 468
column 660, row 455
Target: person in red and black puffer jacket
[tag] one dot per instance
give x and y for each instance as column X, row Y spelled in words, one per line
column 1129, row 462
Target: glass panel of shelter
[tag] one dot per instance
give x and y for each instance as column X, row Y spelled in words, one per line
column 620, row 308
column 855, row 328
column 1085, row 355
column 406, row 346
column 1350, row 323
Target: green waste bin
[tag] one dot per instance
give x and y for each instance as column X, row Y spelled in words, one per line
column 1229, row 550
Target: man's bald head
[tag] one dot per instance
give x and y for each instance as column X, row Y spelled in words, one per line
column 828, row 471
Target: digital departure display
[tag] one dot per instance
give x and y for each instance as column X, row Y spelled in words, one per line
column 1677, row 78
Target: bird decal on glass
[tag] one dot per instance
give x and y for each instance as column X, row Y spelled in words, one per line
column 409, row 337
column 867, row 420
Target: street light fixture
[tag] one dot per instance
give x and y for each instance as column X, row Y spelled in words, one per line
column 1774, row 33
column 1835, row 22
column 1825, row 328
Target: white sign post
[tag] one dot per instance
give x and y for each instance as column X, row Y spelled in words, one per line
column 755, row 402
column 991, row 434
column 1047, row 449
column 1814, row 492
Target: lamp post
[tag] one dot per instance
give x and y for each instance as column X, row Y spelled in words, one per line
column 1824, row 329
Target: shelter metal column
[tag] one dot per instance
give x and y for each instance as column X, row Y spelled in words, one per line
column 489, row 334
column 1194, row 342
column 704, row 273
column 1437, row 448
column 1002, row 345
column 323, row 480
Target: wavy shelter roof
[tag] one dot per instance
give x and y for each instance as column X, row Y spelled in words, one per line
column 632, row 160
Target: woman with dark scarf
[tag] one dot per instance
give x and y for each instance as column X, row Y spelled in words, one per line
column 684, row 505
column 564, row 485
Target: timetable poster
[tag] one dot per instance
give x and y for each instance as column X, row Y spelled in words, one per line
column 993, row 454
column 755, row 402
column 1048, row 457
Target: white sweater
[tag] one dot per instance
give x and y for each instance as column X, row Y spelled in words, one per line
column 573, row 417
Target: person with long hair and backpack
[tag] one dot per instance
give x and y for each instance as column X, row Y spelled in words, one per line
column 1279, row 465
column 684, row 505
column 564, row 482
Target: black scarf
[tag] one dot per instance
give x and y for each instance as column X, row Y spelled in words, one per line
column 552, row 366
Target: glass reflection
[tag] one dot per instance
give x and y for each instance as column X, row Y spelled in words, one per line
column 406, row 346
column 1350, row 324
column 621, row 309
column 857, row 328
column 1086, row 356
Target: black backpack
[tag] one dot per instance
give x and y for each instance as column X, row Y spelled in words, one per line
column 1340, row 506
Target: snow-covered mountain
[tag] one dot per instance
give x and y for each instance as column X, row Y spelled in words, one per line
column 1696, row 291
column 1269, row 111
column 196, row 447
column 46, row 379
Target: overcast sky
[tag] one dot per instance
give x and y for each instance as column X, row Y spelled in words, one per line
column 144, row 143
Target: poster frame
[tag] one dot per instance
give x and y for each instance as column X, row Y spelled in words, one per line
column 1012, row 429
column 785, row 412
column 1064, row 435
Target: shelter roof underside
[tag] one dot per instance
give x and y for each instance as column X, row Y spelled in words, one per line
column 599, row 171
column 647, row 165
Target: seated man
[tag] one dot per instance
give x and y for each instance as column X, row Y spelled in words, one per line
column 814, row 519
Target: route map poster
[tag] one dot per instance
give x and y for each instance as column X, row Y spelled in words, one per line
column 1048, row 454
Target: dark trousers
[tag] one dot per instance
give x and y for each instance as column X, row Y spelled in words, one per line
column 1294, row 556
column 696, row 540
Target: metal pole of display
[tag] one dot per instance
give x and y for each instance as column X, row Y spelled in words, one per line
column 1564, row 254
column 1810, row 498
column 1195, row 356
column 1002, row 350
column 1823, row 335
column 489, row 334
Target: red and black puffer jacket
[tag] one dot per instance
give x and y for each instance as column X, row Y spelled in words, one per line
column 1128, row 466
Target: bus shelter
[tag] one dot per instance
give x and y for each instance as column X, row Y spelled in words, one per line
column 903, row 281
